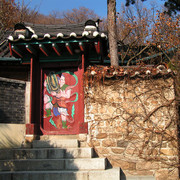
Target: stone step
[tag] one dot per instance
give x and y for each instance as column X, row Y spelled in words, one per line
column 56, row 143
column 53, row 164
column 57, row 137
column 46, row 153
column 110, row 174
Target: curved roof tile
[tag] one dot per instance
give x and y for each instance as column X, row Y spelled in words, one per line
column 53, row 32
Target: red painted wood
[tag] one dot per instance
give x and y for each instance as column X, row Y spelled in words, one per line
column 10, row 49
column 29, row 50
column 26, row 63
column 57, row 52
column 43, row 51
column 31, row 87
column 83, row 127
column 81, row 47
column 62, row 106
column 29, row 126
column 31, row 129
column 97, row 46
column 69, row 49
column 17, row 53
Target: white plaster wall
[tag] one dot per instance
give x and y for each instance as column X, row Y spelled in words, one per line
column 27, row 103
column 12, row 135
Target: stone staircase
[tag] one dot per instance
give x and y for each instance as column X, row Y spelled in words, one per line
column 55, row 159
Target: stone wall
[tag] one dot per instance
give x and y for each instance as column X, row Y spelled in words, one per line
column 12, row 101
column 132, row 122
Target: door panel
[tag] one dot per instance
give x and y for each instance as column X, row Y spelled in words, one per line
column 62, row 101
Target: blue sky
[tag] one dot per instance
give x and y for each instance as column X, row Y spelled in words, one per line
column 47, row 6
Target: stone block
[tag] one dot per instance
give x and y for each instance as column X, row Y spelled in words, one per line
column 117, row 150
column 96, row 143
column 67, row 143
column 102, row 151
column 103, row 109
column 110, row 174
column 123, row 144
column 125, row 165
column 82, row 137
column 45, row 175
column 101, row 136
column 168, row 174
column 139, row 172
column 31, row 165
column 111, row 109
column 109, row 143
column 79, row 153
column 85, row 164
column 115, row 135
column 144, row 165
column 168, row 152
column 140, row 178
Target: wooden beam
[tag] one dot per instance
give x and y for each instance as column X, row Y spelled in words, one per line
column 31, row 50
column 97, row 46
column 17, row 51
column 81, row 45
column 69, row 48
column 43, row 49
column 56, row 49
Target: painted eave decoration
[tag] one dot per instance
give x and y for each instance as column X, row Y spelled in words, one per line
column 42, row 40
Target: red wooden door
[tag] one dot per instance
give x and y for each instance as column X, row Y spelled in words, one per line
column 62, row 101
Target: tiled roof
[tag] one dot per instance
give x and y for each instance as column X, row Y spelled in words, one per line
column 28, row 32
column 52, row 32
column 4, row 46
column 100, row 72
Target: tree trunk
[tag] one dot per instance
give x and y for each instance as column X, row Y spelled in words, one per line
column 112, row 33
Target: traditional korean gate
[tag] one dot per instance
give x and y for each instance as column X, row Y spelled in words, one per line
column 62, row 101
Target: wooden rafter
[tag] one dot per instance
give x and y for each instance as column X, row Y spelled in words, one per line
column 43, row 49
column 69, row 48
column 31, row 49
column 81, row 45
column 17, row 51
column 56, row 49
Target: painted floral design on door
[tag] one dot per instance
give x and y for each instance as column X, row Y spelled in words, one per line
column 60, row 101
